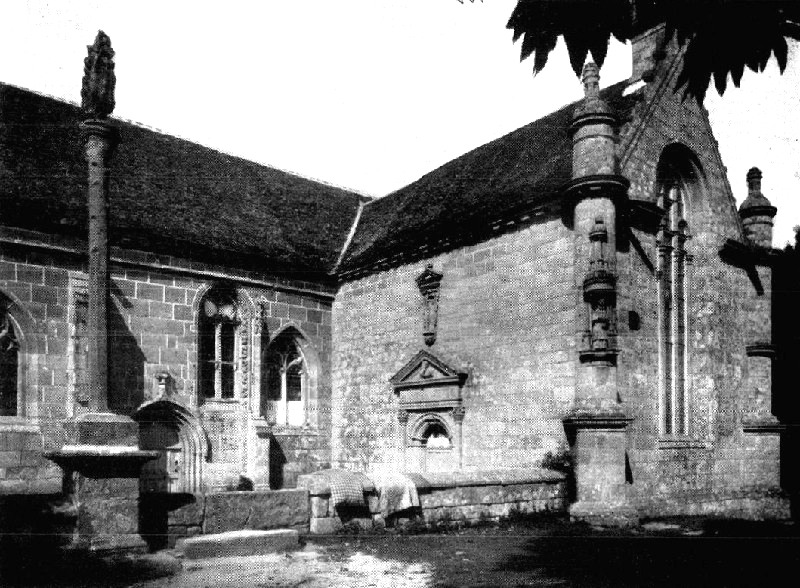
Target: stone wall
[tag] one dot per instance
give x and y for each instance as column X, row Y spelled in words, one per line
column 716, row 465
column 153, row 318
column 445, row 499
column 505, row 317
column 170, row 517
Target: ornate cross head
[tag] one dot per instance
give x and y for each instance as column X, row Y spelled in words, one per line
column 97, row 92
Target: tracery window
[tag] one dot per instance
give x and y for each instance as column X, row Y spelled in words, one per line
column 673, row 273
column 285, row 391
column 219, row 318
column 9, row 366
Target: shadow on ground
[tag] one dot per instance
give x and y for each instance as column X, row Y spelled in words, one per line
column 670, row 553
column 554, row 552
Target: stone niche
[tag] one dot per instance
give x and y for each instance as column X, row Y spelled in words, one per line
column 430, row 414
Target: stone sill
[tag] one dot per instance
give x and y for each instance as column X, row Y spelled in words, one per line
column 683, row 443
column 18, row 425
column 222, row 403
column 289, row 431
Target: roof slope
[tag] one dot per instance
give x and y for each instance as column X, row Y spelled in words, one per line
column 167, row 195
column 508, row 176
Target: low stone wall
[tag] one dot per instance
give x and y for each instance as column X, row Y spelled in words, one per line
column 471, row 497
column 168, row 517
column 445, row 498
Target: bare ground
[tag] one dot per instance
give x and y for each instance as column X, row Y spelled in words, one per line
column 543, row 552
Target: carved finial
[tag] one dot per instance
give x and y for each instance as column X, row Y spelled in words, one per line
column 754, row 181
column 591, row 80
column 97, row 93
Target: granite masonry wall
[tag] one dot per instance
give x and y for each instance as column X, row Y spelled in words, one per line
column 505, row 318
column 153, row 322
column 717, row 467
column 171, row 517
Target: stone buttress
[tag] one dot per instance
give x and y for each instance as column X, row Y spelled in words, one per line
column 596, row 425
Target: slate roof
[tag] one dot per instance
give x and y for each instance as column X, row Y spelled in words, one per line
column 167, row 195
column 504, row 179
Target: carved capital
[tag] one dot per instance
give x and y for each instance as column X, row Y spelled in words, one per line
column 458, row 414
column 402, row 417
column 101, row 139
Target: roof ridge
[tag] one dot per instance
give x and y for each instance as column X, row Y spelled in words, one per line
column 171, row 135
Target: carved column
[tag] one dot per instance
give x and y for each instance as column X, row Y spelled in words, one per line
column 597, row 423
column 402, row 436
column 458, row 417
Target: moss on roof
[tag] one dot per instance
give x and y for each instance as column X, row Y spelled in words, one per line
column 167, row 195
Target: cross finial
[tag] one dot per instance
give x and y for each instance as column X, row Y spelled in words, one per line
column 97, row 93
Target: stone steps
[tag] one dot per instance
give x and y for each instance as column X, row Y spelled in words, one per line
column 237, row 543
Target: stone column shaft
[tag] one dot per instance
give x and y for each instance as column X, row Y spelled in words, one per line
column 101, row 138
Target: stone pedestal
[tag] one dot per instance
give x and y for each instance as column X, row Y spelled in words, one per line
column 102, row 482
column 598, row 444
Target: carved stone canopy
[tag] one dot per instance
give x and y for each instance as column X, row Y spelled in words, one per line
column 97, row 91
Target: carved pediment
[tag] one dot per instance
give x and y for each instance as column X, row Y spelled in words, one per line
column 426, row 370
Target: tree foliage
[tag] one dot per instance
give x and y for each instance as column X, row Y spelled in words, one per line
column 721, row 37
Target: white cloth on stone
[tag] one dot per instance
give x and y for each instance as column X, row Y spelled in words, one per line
column 396, row 492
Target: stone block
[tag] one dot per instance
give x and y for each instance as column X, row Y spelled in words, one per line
column 319, row 506
column 239, row 543
column 188, row 513
column 324, row 526
column 279, row 508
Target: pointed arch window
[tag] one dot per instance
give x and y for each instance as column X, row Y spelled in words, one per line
column 675, row 185
column 9, row 366
column 219, row 319
column 285, row 389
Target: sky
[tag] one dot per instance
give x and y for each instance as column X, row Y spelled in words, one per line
column 364, row 94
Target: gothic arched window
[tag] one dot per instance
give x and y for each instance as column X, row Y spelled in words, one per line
column 9, row 366
column 285, row 382
column 677, row 180
column 219, row 318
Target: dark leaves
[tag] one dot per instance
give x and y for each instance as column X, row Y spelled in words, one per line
column 585, row 24
column 720, row 37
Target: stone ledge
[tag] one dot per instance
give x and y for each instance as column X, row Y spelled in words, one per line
column 431, row 480
column 239, row 543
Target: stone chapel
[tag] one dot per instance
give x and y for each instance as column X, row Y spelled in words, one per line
column 581, row 294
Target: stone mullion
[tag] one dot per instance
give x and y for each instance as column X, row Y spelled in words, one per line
column 664, row 273
column 218, row 360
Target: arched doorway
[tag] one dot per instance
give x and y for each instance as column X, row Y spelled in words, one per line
column 174, row 431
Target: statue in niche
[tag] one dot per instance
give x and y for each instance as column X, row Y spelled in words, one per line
column 428, row 283
column 97, row 92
